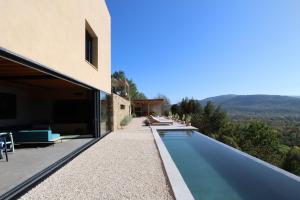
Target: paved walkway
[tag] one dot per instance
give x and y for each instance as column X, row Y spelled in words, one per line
column 26, row 162
column 124, row 165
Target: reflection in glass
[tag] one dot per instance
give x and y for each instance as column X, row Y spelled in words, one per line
column 105, row 116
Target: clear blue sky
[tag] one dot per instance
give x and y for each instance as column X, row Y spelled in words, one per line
column 203, row 48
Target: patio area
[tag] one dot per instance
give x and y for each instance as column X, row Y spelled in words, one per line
column 26, row 161
column 123, row 165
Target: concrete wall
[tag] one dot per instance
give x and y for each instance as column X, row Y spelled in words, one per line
column 52, row 32
column 118, row 113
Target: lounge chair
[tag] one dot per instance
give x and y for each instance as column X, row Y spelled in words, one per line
column 159, row 121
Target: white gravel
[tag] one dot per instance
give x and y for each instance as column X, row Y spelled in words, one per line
column 123, row 165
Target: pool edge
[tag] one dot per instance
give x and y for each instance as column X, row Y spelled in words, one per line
column 177, row 183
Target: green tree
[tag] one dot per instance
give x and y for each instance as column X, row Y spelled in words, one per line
column 218, row 120
column 260, row 140
column 175, row 109
column 206, row 126
column 229, row 141
column 187, row 106
column 209, row 109
column 134, row 93
column 120, row 75
column 292, row 161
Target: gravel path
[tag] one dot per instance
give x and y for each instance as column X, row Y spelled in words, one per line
column 123, row 165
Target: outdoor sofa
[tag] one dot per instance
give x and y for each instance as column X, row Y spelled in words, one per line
column 35, row 136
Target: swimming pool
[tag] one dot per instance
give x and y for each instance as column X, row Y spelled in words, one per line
column 215, row 171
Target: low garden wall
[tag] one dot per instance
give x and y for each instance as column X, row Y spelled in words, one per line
column 121, row 109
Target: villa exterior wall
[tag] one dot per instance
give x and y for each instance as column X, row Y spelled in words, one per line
column 118, row 113
column 52, row 33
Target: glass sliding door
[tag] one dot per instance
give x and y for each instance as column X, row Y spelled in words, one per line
column 105, row 113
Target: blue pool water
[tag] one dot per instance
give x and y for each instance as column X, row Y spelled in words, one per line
column 213, row 171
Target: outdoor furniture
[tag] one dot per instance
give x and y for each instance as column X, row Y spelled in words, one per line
column 159, row 121
column 36, row 136
column 6, row 144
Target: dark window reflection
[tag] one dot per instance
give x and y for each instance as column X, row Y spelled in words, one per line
column 105, row 116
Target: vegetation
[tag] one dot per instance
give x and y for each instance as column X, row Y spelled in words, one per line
column 269, row 107
column 280, row 112
column 134, row 93
column 253, row 136
column 125, row 121
column 162, row 96
column 292, row 161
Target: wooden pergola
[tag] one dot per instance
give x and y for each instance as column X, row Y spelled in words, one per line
column 146, row 103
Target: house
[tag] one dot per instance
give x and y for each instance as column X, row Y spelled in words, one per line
column 55, row 66
column 55, row 80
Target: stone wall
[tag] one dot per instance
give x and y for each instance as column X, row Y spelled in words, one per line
column 121, row 109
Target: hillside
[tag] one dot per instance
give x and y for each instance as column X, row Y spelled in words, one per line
column 262, row 106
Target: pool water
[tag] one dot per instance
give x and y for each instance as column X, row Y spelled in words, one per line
column 213, row 171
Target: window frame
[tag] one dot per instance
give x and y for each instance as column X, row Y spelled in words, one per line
column 91, row 46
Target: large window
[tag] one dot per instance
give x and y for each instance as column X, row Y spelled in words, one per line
column 91, row 46
column 88, row 47
column 72, row 111
column 105, row 116
column 8, row 106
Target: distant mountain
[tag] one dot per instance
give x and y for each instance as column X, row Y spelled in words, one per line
column 266, row 106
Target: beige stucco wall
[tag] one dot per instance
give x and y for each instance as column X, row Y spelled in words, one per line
column 118, row 113
column 52, row 32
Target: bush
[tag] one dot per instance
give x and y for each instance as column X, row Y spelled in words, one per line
column 229, row 141
column 126, row 121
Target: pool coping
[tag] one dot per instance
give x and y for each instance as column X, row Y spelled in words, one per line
column 177, row 183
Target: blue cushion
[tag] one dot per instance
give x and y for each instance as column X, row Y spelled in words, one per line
column 35, row 136
column 55, row 136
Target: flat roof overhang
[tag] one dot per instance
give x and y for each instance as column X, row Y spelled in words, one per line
column 16, row 73
column 31, row 71
column 148, row 101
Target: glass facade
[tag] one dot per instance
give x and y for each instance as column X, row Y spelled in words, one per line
column 105, row 113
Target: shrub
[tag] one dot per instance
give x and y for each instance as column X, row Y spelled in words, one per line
column 188, row 119
column 125, row 121
column 229, row 141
